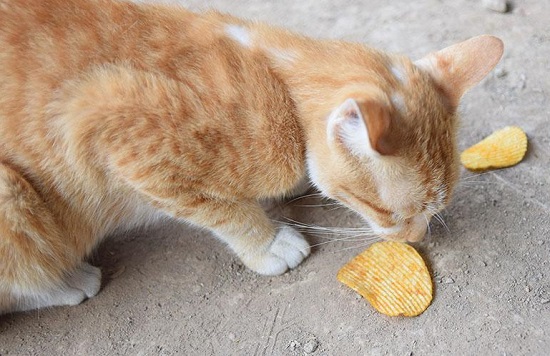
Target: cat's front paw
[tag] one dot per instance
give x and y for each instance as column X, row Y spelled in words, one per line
column 287, row 250
column 86, row 279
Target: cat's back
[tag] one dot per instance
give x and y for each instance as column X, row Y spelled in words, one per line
column 54, row 38
column 50, row 49
column 43, row 43
column 46, row 43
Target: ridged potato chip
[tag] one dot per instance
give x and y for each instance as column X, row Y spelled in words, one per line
column 503, row 148
column 392, row 276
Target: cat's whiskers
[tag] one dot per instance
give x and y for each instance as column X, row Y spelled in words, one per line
column 367, row 243
column 350, row 232
column 428, row 224
column 317, row 205
column 302, row 224
column 436, row 214
column 474, row 179
column 320, row 195
column 475, row 175
column 346, row 239
column 330, row 228
column 333, row 231
column 440, row 219
column 430, row 209
column 363, row 235
column 473, row 183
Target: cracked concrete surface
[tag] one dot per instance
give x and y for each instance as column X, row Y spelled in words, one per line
column 175, row 290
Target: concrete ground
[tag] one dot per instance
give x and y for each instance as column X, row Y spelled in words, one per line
column 176, row 290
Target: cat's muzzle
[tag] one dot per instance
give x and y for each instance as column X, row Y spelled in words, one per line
column 412, row 230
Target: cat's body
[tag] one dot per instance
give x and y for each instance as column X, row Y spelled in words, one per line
column 113, row 115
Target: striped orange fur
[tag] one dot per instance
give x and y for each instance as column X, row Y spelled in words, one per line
column 115, row 114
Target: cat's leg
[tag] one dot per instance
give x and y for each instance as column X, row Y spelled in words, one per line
column 37, row 266
column 273, row 204
column 263, row 247
column 150, row 159
column 77, row 286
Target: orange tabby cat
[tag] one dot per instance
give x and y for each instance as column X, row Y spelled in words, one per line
column 114, row 114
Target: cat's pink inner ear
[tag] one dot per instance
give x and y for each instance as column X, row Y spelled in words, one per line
column 365, row 126
column 461, row 66
column 378, row 121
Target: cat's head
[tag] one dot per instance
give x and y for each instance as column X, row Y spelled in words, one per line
column 390, row 151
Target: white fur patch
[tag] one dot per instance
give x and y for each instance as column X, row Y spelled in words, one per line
column 313, row 173
column 428, row 65
column 239, row 34
column 399, row 73
column 383, row 231
column 282, row 56
column 398, row 102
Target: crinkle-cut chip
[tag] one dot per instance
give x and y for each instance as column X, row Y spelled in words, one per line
column 392, row 276
column 503, row 148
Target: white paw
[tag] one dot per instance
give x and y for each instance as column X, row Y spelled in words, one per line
column 287, row 250
column 81, row 284
column 86, row 278
column 64, row 296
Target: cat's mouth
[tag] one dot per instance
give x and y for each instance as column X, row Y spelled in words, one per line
column 413, row 229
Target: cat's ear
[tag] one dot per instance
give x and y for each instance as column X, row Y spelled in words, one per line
column 363, row 127
column 461, row 66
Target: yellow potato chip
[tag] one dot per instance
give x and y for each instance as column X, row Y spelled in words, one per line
column 503, row 148
column 392, row 276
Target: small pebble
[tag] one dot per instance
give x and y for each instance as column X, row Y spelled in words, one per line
column 500, row 73
column 293, row 345
column 496, row 5
column 521, row 83
column 544, row 301
column 231, row 337
column 310, row 346
column 447, row 280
